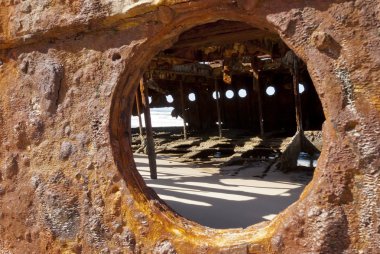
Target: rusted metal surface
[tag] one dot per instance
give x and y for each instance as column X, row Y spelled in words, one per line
column 68, row 183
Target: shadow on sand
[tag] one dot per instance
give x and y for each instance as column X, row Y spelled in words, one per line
column 223, row 201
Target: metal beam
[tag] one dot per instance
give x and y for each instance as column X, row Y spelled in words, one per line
column 218, row 107
column 257, row 88
column 138, row 106
column 297, row 97
column 183, row 110
column 223, row 38
column 149, row 132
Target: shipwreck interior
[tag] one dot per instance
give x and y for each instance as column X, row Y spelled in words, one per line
column 247, row 133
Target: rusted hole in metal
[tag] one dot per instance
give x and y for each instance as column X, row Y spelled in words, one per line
column 173, row 72
column 136, row 181
column 116, row 56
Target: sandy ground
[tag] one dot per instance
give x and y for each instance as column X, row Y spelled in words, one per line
column 223, row 197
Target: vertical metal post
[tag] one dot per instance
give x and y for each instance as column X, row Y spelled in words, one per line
column 138, row 106
column 183, row 110
column 149, row 132
column 199, row 114
column 297, row 97
column 217, row 94
column 257, row 88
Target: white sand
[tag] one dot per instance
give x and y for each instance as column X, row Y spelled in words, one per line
column 203, row 195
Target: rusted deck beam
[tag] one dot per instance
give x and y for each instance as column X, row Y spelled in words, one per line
column 223, row 38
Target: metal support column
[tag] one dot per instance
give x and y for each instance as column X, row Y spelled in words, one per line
column 148, row 129
column 138, row 106
column 297, row 97
column 183, row 110
column 257, row 88
column 217, row 94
